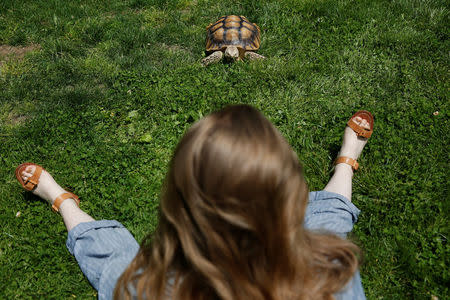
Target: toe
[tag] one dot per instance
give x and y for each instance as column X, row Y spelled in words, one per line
column 30, row 169
column 27, row 172
column 26, row 175
column 357, row 120
column 365, row 124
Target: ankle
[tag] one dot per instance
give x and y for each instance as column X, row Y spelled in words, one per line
column 343, row 168
column 68, row 203
column 55, row 193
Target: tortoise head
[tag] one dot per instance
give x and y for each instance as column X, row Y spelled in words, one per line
column 232, row 53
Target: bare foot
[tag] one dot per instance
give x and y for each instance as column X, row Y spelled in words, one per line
column 352, row 144
column 48, row 189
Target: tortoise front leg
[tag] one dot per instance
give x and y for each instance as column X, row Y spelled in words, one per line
column 253, row 55
column 212, row 58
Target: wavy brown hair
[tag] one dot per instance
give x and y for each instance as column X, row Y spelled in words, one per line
column 231, row 222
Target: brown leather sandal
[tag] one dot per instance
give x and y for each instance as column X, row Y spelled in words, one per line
column 33, row 181
column 360, row 131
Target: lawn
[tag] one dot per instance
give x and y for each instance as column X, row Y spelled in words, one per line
column 99, row 93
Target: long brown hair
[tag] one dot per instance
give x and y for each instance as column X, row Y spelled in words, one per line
column 231, row 221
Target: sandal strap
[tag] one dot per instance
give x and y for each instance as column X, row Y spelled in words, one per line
column 64, row 196
column 347, row 160
column 360, row 131
column 33, row 181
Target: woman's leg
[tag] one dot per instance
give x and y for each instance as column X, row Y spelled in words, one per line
column 49, row 190
column 103, row 249
column 352, row 146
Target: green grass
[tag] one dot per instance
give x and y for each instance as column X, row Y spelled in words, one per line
column 115, row 84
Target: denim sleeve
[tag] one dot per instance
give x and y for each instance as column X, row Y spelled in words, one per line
column 330, row 212
column 353, row 290
column 334, row 213
column 103, row 250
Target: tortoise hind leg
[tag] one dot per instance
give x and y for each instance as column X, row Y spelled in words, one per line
column 253, row 55
column 212, row 58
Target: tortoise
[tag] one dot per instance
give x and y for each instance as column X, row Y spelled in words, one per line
column 233, row 37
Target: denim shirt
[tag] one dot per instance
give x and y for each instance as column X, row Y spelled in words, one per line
column 105, row 248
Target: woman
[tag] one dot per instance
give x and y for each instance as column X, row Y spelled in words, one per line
column 236, row 220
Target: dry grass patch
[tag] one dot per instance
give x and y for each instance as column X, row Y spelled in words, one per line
column 15, row 118
column 14, row 115
column 173, row 48
column 8, row 52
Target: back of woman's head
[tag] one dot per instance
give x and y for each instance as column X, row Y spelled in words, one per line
column 231, row 219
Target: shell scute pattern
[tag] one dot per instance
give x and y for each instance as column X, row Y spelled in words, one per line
column 233, row 30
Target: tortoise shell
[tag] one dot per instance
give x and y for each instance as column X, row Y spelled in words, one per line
column 232, row 30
